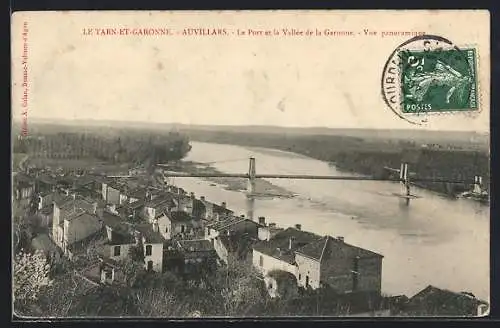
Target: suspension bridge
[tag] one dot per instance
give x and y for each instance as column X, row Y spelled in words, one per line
column 405, row 178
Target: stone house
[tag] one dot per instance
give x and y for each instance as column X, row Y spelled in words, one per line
column 176, row 225
column 74, row 220
column 343, row 267
column 214, row 212
column 317, row 261
column 198, row 257
column 279, row 252
column 121, row 236
column 154, row 208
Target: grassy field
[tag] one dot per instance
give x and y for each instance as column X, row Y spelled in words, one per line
column 74, row 164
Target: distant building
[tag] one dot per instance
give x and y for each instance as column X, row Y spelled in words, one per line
column 24, row 186
column 214, row 212
column 433, row 301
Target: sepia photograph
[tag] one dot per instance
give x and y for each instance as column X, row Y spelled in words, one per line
column 250, row 164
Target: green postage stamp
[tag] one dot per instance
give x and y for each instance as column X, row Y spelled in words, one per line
column 438, row 80
column 430, row 75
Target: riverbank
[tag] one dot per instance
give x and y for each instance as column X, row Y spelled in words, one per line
column 458, row 160
column 263, row 188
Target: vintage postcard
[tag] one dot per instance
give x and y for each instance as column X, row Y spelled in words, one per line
column 251, row 164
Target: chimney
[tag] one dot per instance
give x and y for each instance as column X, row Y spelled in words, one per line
column 272, row 225
column 155, row 226
column 223, row 205
column 192, row 195
column 262, row 220
column 298, row 226
column 340, row 238
column 202, row 198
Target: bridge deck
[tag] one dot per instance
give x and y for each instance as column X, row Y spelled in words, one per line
column 310, row 177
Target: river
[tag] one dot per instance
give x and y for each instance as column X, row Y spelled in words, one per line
column 435, row 241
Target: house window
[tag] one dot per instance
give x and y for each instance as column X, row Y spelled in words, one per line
column 149, row 250
column 261, row 261
column 116, row 251
column 150, row 265
column 307, row 281
column 166, row 229
column 300, row 276
column 108, row 275
column 182, row 228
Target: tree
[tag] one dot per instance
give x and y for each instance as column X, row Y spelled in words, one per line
column 136, row 253
column 31, row 274
column 240, row 291
column 159, row 302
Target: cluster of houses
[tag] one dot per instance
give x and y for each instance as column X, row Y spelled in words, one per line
column 187, row 235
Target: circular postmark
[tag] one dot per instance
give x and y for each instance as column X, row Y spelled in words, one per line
column 428, row 75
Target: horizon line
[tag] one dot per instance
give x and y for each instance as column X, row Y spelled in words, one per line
column 92, row 120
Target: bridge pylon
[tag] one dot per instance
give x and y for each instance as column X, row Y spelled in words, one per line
column 405, row 183
column 251, row 177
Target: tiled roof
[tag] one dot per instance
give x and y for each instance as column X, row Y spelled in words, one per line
column 232, row 221
column 47, row 179
column 149, row 234
column 115, row 222
column 220, row 209
column 139, row 193
column 331, row 248
column 160, row 201
column 97, row 238
column 121, row 238
column 239, row 244
column 199, row 245
column 179, row 216
column 278, row 246
column 70, row 204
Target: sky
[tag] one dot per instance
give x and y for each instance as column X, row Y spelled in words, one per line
column 229, row 80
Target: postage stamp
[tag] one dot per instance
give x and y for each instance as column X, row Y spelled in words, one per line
column 430, row 75
column 438, row 80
